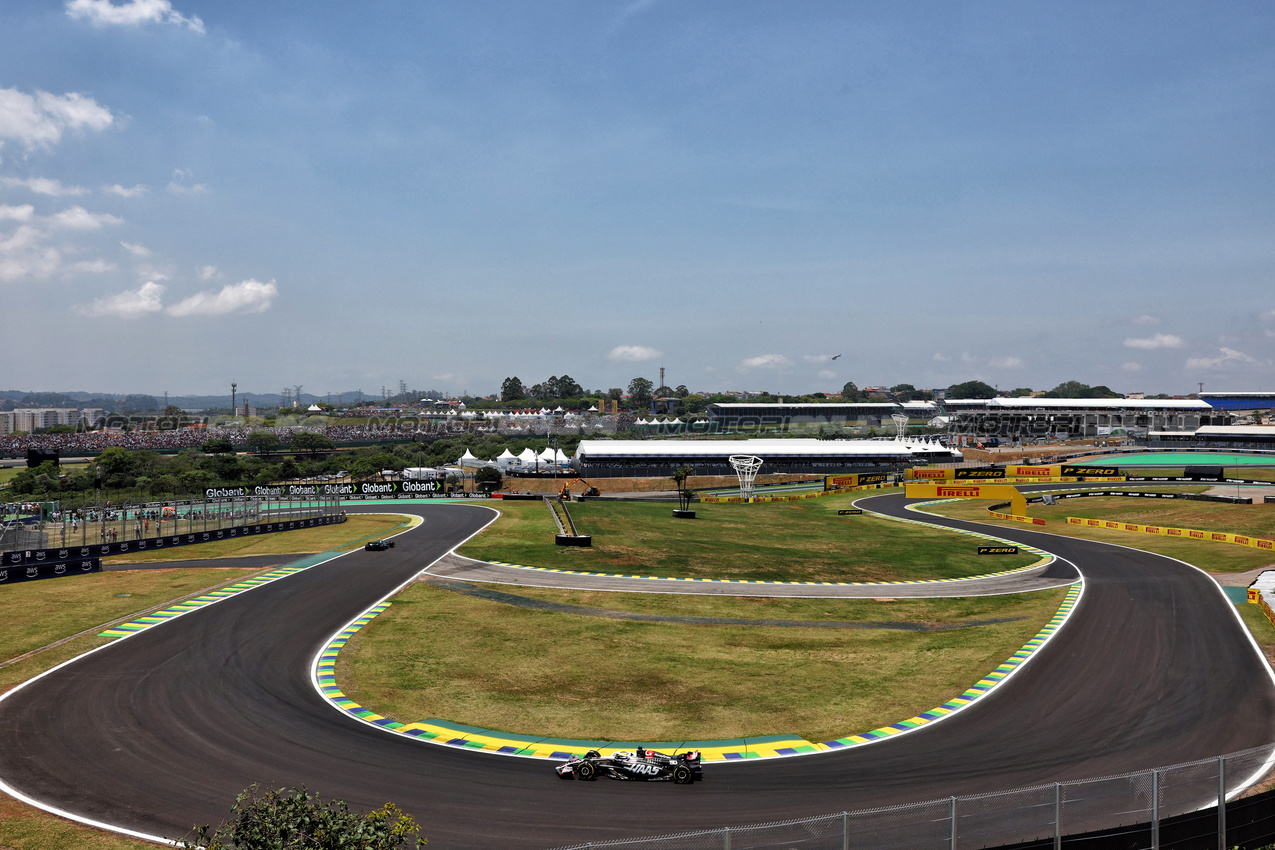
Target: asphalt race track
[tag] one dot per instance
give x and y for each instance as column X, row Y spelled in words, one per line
column 160, row 731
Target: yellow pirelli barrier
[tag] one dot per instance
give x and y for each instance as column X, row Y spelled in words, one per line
column 1029, row 519
column 1185, row 533
column 1017, row 501
column 1261, row 603
column 1017, row 474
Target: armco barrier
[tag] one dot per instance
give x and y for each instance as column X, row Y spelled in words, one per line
column 1201, row 805
column 1184, row 533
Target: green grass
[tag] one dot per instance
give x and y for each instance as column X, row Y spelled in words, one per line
column 1256, row 520
column 438, row 654
column 342, row 536
column 803, row 540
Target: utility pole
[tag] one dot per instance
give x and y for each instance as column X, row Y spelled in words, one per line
column 298, row 399
column 233, row 388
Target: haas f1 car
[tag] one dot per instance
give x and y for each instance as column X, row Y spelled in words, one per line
column 682, row 769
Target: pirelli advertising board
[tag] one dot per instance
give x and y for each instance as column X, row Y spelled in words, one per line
column 364, row 490
column 1017, row 501
column 862, row 479
column 1014, row 472
column 1090, row 471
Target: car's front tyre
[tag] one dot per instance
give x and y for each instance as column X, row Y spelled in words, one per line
column 587, row 771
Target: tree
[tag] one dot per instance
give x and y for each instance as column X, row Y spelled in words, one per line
column 850, row 392
column 681, row 475
column 263, row 441
column 640, row 391
column 681, row 391
column 311, row 442
column 217, row 446
column 565, row 387
column 615, row 394
column 1075, row 389
column 971, row 389
column 663, row 391
column 511, row 389
column 295, row 819
column 488, row 478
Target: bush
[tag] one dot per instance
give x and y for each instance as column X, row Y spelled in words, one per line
column 295, row 819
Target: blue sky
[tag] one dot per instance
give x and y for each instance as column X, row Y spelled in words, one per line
column 343, row 195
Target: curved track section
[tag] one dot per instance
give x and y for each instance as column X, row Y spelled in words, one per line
column 159, row 731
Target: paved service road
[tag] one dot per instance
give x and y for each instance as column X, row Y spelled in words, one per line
column 161, row 730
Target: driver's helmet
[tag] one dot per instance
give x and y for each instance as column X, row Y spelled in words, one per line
column 624, row 755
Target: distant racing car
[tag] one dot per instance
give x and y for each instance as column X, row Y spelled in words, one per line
column 379, row 545
column 645, row 765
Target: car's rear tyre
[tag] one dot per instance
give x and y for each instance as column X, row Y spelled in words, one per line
column 682, row 775
column 587, row 772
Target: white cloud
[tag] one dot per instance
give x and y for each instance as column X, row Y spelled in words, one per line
column 132, row 303
column 634, row 353
column 22, row 255
column 1145, row 320
column 1131, row 367
column 178, row 186
column 94, row 266
column 136, row 249
column 249, row 296
column 1005, row 362
column 39, row 120
column 1229, row 356
column 966, row 357
column 1154, row 341
column 22, row 213
column 124, row 191
column 765, row 361
column 939, row 357
column 44, row 186
column 817, row 358
column 827, row 374
column 207, row 272
column 78, row 218
column 132, row 13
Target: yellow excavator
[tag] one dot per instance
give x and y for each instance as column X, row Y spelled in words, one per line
column 589, row 489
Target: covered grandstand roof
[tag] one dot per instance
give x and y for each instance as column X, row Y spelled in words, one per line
column 1084, row 403
column 603, row 450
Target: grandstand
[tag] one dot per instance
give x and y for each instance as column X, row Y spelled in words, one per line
column 1240, row 401
column 755, row 415
column 1025, row 418
column 618, row 458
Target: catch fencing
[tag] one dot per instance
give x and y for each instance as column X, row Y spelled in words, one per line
column 1212, row 804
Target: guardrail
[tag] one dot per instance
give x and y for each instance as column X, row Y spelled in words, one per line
column 1210, row 804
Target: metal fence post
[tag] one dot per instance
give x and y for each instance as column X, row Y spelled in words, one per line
column 1057, row 816
column 1155, row 810
column 845, row 831
column 952, row 816
column 1221, row 803
column 726, row 838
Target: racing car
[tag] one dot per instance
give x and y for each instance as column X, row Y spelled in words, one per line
column 379, row 545
column 643, row 764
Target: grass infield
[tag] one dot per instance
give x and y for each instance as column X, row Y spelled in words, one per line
column 1257, row 520
column 439, row 654
column 776, row 541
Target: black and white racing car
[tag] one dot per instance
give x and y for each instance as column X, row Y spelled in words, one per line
column 378, row 545
column 682, row 769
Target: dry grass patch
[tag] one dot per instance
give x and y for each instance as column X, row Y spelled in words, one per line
column 438, row 654
column 25, row 828
column 340, row 537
